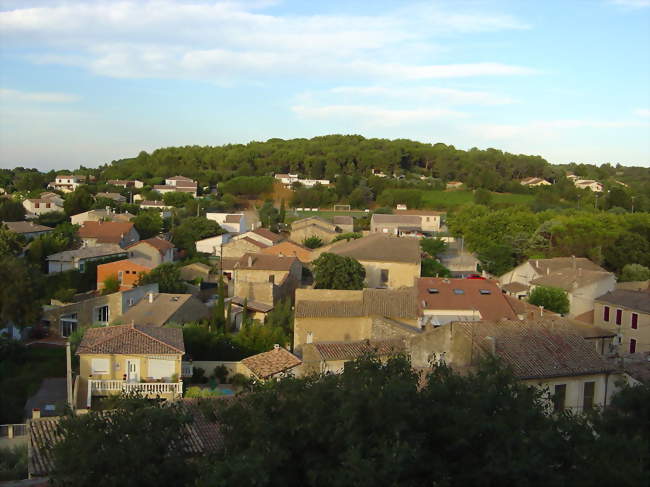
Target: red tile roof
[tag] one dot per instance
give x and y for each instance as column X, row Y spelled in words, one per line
column 352, row 350
column 268, row 234
column 105, row 232
column 129, row 339
column 158, row 243
column 270, row 363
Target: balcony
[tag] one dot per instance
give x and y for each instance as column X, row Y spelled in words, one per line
column 106, row 387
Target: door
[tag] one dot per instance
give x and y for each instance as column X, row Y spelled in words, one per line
column 133, row 370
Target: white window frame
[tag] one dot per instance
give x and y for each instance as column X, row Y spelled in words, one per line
column 96, row 316
column 100, row 366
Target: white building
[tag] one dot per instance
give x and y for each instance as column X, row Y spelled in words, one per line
column 76, row 259
column 534, row 182
column 595, row 186
column 67, row 182
column 212, row 245
column 230, row 222
column 177, row 184
column 287, row 179
column 38, row 206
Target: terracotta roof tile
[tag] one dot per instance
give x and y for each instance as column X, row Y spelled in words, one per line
column 130, row 339
column 378, row 247
column 352, row 350
column 267, row 364
column 106, row 232
column 289, row 249
column 265, row 262
column 158, row 243
column 268, row 234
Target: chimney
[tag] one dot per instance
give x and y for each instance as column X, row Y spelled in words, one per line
column 36, row 413
column 276, row 347
column 537, row 264
column 250, row 261
column 150, row 298
column 548, row 271
column 573, row 261
column 541, row 310
column 492, row 344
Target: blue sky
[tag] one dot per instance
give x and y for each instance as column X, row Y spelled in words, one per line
column 89, row 82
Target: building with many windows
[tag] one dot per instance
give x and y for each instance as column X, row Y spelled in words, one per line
column 627, row 313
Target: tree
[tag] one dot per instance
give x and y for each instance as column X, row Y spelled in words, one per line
column 497, row 259
column 10, row 242
column 433, row 246
column 283, row 212
column 219, row 312
column 30, row 181
column 19, row 292
column 635, row 272
column 192, row 229
column 385, row 410
column 168, row 277
column 628, row 248
column 111, row 285
column 552, row 298
column 133, row 445
column 78, row 201
column 52, row 218
column 255, row 337
column 269, row 216
column 482, row 197
column 333, row 271
column 176, row 199
column 148, row 223
column 347, row 236
column 313, row 242
column 11, row 211
column 433, row 268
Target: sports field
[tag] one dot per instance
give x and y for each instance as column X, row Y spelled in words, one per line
column 446, row 199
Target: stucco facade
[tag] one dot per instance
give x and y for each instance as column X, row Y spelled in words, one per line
column 127, row 273
column 237, row 248
column 399, row 274
column 149, row 254
column 625, row 330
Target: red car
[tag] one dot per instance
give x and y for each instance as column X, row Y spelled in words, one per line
column 475, row 276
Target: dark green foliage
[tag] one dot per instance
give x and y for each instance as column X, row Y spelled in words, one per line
column 281, row 317
column 192, row 229
column 219, row 311
column 347, row 236
column 313, row 242
column 221, row 373
column 52, row 218
column 255, row 337
column 269, row 216
column 78, row 201
column 176, row 199
column 148, row 223
column 482, row 197
column 380, row 424
column 412, row 198
column 10, row 242
column 433, row 268
column 13, row 463
column 19, row 292
column 315, row 197
column 201, row 343
column 30, row 181
column 248, row 186
column 111, row 285
column 63, row 237
column 433, row 246
column 635, row 272
column 628, row 248
column 168, row 277
column 552, row 298
column 11, row 211
column 136, row 446
column 497, row 259
column 333, row 271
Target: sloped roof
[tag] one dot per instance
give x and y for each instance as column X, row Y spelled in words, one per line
column 394, row 303
column 88, row 252
column 268, row 234
column 463, row 294
column 537, row 350
column 289, row 249
column 252, row 304
column 558, row 263
column 570, row 278
column 273, row 362
column 313, row 220
column 132, row 339
column 515, row 287
column 342, row 220
column 233, row 218
column 158, row 243
column 378, row 247
column 108, row 232
column 352, row 350
column 635, row 300
column 26, row 227
column 163, row 307
column 265, row 262
column 396, row 219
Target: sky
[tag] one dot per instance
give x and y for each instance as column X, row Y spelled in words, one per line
column 85, row 83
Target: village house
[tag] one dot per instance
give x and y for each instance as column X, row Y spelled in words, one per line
column 287, row 179
column 62, row 319
column 107, row 214
column 289, row 249
column 275, row 363
column 262, row 235
column 454, row 185
column 97, row 233
column 595, row 186
column 533, row 182
column 66, row 183
column 241, row 246
column 127, row 272
column 164, row 209
column 582, row 280
column 27, row 230
column 266, row 278
column 213, row 245
column 344, row 223
column 124, row 183
column 77, row 259
column 313, row 226
column 256, row 310
column 230, row 222
column 159, row 309
column 152, row 251
column 626, row 313
column 38, row 206
column 542, row 354
column 125, row 358
column 407, row 223
column 390, row 262
column 177, row 184
column 445, row 300
column 325, row 315
column 117, row 197
column 331, row 357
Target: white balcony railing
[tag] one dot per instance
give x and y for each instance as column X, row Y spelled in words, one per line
column 187, row 369
column 145, row 388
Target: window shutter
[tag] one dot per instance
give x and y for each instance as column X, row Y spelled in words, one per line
column 635, row 321
column 606, row 313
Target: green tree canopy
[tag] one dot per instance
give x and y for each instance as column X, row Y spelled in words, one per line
column 482, row 197
column 168, row 277
column 78, row 201
column 552, row 298
column 333, row 271
column 433, row 268
column 11, row 211
column 19, row 293
column 313, row 242
column 148, row 223
column 10, row 242
column 192, row 229
column 433, row 246
column 635, row 272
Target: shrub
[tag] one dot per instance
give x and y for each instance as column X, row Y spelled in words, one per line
column 552, row 298
column 347, row 236
column 221, row 373
column 13, row 463
column 313, row 242
column 635, row 272
column 200, row 392
column 198, row 376
column 240, row 380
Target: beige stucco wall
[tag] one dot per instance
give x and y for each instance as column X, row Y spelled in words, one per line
column 303, row 232
column 605, row 387
column 399, row 274
column 85, row 311
column 523, row 273
column 117, row 365
column 330, row 330
column 148, row 253
column 237, row 248
column 582, row 299
column 641, row 334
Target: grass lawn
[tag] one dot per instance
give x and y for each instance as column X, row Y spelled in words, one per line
column 446, row 199
column 21, row 376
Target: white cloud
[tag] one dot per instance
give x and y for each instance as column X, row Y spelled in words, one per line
column 642, row 112
column 35, row 96
column 374, row 116
column 418, row 93
column 548, row 128
column 220, row 41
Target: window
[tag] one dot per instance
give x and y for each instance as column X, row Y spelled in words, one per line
column 433, row 290
column 101, row 314
column 272, row 279
column 588, row 395
column 619, row 316
column 384, row 276
column 120, row 276
column 161, row 369
column 632, row 345
column 99, row 366
column 635, row 321
column 606, row 313
column 459, row 291
column 68, row 324
column 559, row 397
column 484, row 291
column 310, row 337
column 130, row 302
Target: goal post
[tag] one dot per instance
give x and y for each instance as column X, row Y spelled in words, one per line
column 341, row 208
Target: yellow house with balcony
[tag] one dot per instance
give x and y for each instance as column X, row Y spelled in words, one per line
column 129, row 358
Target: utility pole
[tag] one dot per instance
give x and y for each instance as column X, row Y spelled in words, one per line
column 68, row 359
